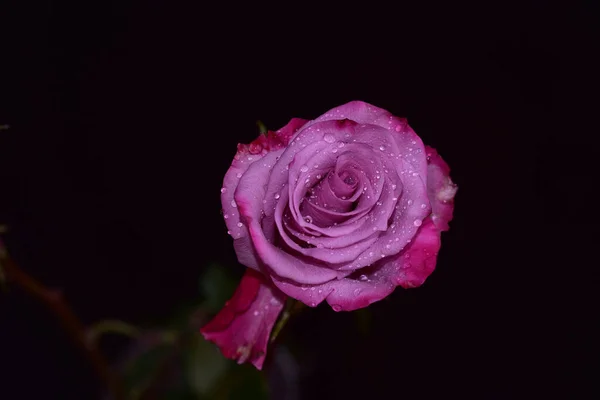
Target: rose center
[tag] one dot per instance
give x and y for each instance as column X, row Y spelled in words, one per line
column 330, row 197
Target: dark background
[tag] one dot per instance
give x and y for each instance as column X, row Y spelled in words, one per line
column 124, row 118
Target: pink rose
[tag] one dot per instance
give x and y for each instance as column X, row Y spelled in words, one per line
column 342, row 208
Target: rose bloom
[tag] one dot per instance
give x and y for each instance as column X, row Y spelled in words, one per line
column 341, row 209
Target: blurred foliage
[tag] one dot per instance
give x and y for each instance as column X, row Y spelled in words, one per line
column 216, row 287
column 173, row 361
column 3, row 255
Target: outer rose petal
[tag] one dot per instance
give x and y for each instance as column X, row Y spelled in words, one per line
column 246, row 156
column 440, row 189
column 408, row 269
column 418, row 261
column 242, row 328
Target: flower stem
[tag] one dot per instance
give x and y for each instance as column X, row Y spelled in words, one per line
column 111, row 326
column 292, row 307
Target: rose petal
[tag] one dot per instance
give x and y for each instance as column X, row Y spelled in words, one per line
column 408, row 269
column 418, row 261
column 241, row 329
column 246, row 156
column 285, row 265
column 365, row 113
column 440, row 189
column 329, row 258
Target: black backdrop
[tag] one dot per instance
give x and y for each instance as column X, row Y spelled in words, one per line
column 125, row 117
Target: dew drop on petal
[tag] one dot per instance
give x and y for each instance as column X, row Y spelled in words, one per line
column 233, row 204
column 417, row 222
column 329, row 138
column 357, row 291
column 256, row 313
column 223, row 190
column 239, row 224
column 304, row 168
column 382, row 148
column 336, row 307
column 363, row 278
column 423, row 205
column 277, row 196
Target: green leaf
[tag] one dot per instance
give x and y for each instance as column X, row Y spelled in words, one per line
column 204, row 365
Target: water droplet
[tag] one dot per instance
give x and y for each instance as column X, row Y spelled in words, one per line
column 388, row 246
column 225, row 216
column 233, row 204
column 277, row 196
column 371, row 254
column 398, row 128
column 409, row 202
column 341, row 144
column 363, row 278
column 336, row 307
column 417, row 222
column 423, row 205
column 256, row 313
column 229, row 233
column 223, row 190
column 329, row 138
column 308, row 219
column 382, row 147
column 304, row 168
column 239, row 175
column 303, row 288
column 239, row 224
column 357, row 292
